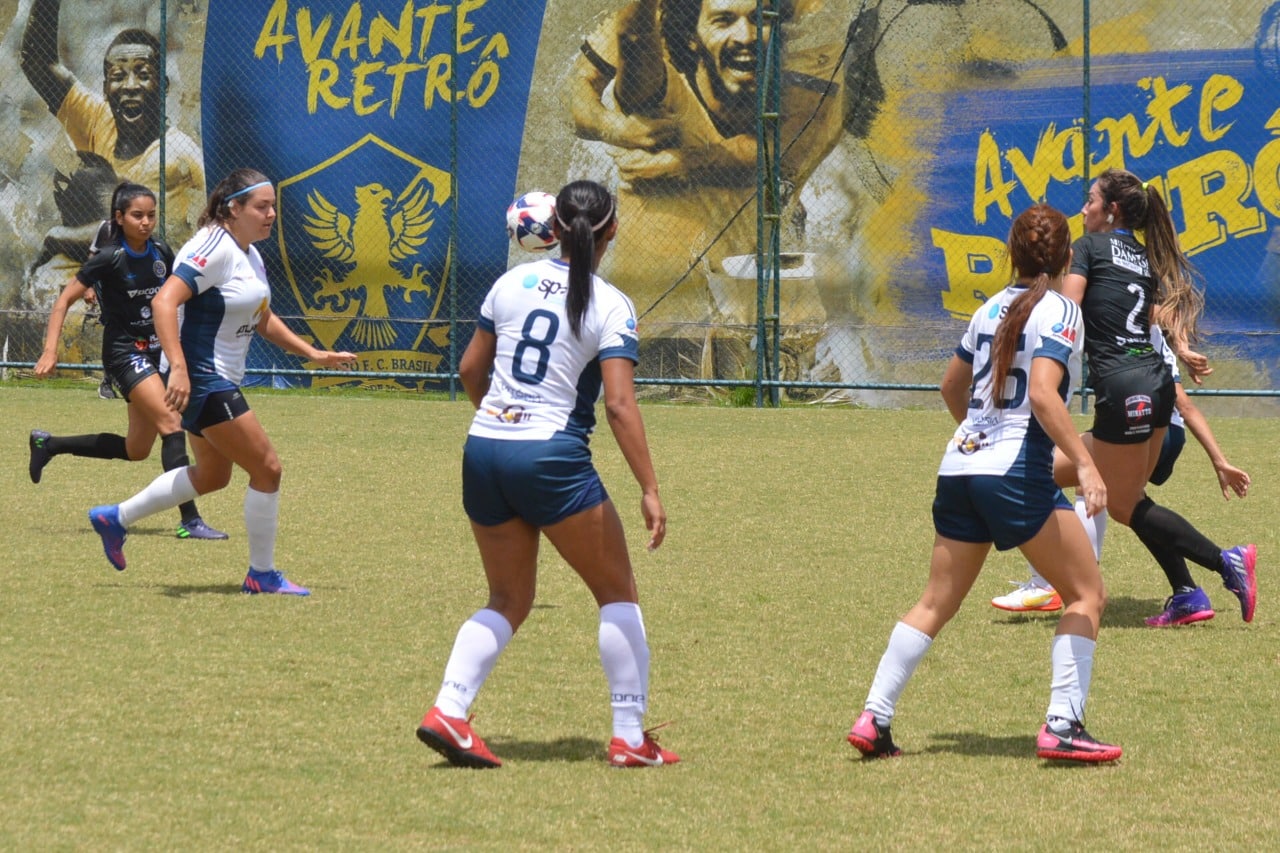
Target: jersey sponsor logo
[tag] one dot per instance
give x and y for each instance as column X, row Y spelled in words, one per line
column 1138, row 409
column 1066, row 333
column 1128, row 258
column 972, row 442
column 550, row 288
column 197, row 260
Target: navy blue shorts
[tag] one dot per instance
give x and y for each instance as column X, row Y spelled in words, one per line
column 1001, row 509
column 213, row 403
column 542, row 481
column 1174, row 440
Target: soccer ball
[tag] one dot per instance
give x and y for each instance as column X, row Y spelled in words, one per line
column 529, row 221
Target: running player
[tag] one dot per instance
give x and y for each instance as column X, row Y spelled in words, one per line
column 221, row 285
column 123, row 273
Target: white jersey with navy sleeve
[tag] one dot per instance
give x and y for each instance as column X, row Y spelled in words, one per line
column 230, row 295
column 1003, row 437
column 1161, row 346
column 544, row 379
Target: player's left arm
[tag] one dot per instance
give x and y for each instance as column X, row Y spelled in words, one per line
column 274, row 329
column 1230, row 478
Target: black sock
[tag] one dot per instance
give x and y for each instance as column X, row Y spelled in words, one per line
column 173, row 454
column 103, row 445
column 1175, row 568
column 1157, row 524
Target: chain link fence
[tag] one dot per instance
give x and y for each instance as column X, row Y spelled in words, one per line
column 900, row 138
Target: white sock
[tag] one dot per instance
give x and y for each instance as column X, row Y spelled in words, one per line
column 1072, row 671
column 165, row 492
column 261, row 520
column 624, row 654
column 1096, row 527
column 907, row 647
column 479, row 642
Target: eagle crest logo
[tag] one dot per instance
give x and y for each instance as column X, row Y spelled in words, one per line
column 358, row 252
column 379, row 232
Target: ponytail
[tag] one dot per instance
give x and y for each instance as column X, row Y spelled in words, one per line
column 584, row 211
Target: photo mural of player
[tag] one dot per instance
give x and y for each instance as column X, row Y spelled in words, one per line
column 347, row 107
column 893, row 221
column 80, row 110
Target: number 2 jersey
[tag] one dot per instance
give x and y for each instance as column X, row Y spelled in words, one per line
column 1002, row 437
column 230, row 294
column 1117, row 301
column 545, row 380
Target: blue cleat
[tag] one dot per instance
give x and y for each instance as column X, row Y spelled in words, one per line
column 271, row 582
column 197, row 529
column 1239, row 575
column 106, row 522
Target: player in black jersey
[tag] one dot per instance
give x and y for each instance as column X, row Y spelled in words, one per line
column 124, row 273
column 1123, row 286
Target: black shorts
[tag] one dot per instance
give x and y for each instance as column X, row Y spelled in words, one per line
column 126, row 366
column 1132, row 403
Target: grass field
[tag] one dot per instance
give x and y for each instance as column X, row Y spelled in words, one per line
column 159, row 708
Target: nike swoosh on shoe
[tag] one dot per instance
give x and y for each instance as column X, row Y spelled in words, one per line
column 462, row 744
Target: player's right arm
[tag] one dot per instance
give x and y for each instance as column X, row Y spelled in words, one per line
column 74, row 289
column 40, row 61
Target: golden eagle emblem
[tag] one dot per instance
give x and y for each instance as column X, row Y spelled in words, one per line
column 382, row 231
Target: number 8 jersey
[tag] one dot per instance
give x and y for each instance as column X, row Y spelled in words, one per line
column 1000, row 437
column 545, row 380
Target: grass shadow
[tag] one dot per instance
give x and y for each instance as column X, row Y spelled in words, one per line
column 575, row 749
column 188, row 590
column 978, row 744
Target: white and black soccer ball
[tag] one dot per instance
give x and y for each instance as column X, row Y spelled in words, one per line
column 529, row 221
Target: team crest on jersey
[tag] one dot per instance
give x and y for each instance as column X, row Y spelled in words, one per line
column 158, row 269
column 362, row 242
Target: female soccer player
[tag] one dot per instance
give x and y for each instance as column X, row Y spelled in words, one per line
column 1007, row 387
column 124, row 273
column 221, row 285
column 1036, row 594
column 550, row 333
column 1122, row 286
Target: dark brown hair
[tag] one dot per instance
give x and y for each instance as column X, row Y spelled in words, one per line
column 1039, row 250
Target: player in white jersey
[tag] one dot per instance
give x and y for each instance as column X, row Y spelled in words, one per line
column 1007, row 387
column 551, row 334
column 220, row 284
column 1188, row 603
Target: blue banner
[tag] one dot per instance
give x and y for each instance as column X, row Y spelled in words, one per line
column 1203, row 126
column 350, row 108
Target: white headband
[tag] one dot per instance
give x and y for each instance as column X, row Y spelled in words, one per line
column 247, row 189
column 602, row 223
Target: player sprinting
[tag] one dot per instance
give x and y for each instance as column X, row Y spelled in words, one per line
column 124, row 273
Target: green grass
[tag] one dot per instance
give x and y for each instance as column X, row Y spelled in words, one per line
column 159, row 708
